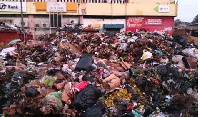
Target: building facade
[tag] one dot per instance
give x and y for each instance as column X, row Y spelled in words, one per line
column 45, row 16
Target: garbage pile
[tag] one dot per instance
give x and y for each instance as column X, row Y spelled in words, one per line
column 95, row 75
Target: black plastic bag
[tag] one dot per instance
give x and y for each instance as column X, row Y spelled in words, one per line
column 31, row 92
column 153, row 46
column 87, row 97
column 162, row 70
column 184, row 87
column 180, row 40
column 85, row 63
column 88, row 77
column 96, row 110
column 173, row 70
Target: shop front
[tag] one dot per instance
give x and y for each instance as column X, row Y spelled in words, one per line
column 151, row 24
column 115, row 28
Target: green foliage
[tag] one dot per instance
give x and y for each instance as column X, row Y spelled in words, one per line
column 195, row 20
column 177, row 22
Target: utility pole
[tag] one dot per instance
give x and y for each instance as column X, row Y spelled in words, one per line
column 125, row 15
column 112, row 10
column 80, row 16
column 22, row 17
column 22, row 23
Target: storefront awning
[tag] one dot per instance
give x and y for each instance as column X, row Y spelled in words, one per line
column 114, row 26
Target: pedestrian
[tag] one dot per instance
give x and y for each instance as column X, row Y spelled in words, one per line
column 57, row 33
column 72, row 23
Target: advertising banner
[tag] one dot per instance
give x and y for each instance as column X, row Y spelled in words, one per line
column 153, row 21
column 56, row 7
column 151, row 24
column 12, row 6
column 135, row 21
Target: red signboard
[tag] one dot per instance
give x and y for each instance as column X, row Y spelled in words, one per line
column 151, row 24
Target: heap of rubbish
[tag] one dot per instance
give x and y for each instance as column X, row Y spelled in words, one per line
column 98, row 75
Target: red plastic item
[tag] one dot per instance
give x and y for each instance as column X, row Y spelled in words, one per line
column 79, row 86
column 129, row 107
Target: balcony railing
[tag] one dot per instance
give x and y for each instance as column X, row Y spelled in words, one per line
column 12, row 0
column 100, row 1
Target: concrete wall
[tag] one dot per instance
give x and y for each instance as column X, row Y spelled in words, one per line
column 136, row 1
column 134, row 7
column 41, row 21
column 143, row 9
column 30, row 23
column 101, row 21
column 152, row 1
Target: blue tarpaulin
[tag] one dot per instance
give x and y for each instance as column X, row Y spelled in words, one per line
column 114, row 26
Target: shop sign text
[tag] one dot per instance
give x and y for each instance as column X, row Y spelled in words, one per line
column 12, row 6
column 56, row 7
column 154, row 22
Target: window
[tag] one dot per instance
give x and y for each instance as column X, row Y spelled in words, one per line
column 55, row 20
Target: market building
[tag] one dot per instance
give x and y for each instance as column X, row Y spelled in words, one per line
column 43, row 16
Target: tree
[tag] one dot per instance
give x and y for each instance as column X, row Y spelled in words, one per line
column 177, row 22
column 195, row 20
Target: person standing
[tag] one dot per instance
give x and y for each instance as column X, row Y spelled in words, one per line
column 57, row 33
column 72, row 23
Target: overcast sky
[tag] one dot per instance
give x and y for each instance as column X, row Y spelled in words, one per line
column 187, row 10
